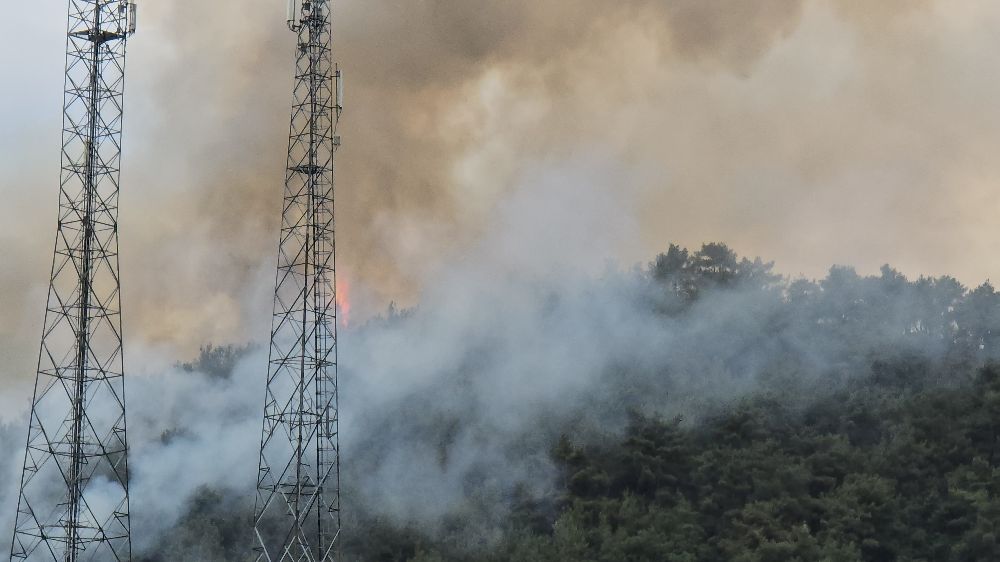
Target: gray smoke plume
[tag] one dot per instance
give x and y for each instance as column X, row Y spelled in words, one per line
column 450, row 409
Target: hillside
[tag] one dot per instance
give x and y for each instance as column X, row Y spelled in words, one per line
column 739, row 416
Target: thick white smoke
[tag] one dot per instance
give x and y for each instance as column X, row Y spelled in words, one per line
column 522, row 324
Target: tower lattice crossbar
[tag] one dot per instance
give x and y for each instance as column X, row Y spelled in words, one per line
column 74, row 502
column 297, row 514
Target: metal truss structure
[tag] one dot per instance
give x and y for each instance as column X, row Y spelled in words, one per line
column 74, row 501
column 297, row 513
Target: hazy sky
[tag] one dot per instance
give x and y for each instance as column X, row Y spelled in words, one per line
column 809, row 132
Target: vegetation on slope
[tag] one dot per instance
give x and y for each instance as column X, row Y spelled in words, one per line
column 871, row 433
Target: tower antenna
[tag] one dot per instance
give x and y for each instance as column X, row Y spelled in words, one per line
column 297, row 513
column 74, row 502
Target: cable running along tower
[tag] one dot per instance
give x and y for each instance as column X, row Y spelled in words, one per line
column 297, row 514
column 74, row 504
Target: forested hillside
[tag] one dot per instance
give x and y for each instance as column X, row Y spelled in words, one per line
column 849, row 419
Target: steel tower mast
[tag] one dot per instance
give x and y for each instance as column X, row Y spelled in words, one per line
column 74, row 502
column 297, row 514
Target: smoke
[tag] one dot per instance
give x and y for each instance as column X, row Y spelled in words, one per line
column 736, row 121
column 429, row 85
column 451, row 408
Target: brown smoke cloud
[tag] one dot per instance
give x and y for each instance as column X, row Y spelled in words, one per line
column 807, row 131
column 426, row 81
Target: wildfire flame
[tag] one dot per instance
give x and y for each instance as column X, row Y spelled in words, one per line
column 343, row 300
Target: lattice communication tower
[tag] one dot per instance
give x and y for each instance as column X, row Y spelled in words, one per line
column 297, row 515
column 74, row 501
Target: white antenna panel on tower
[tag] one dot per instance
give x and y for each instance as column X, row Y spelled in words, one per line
column 339, row 76
column 293, row 13
column 133, row 12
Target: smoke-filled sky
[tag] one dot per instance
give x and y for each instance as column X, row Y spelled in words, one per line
column 810, row 132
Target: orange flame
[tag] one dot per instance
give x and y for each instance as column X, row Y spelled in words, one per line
column 343, row 292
